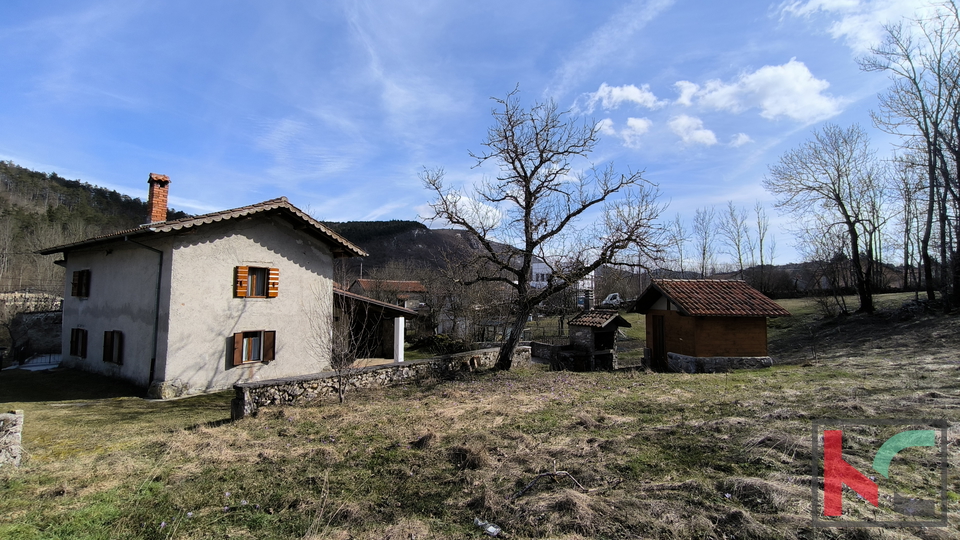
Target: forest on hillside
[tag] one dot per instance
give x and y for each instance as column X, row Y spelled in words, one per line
column 39, row 210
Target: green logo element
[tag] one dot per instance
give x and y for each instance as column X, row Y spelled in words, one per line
column 900, row 441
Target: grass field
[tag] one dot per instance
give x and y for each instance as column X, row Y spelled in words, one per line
column 657, row 455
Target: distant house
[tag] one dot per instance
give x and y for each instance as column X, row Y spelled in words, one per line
column 407, row 294
column 690, row 319
column 201, row 303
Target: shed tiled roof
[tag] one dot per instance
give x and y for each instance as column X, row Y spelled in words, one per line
column 391, row 285
column 599, row 318
column 342, row 246
column 711, row 298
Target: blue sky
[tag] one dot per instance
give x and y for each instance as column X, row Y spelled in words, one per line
column 339, row 105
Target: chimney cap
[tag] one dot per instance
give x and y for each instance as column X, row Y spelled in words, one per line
column 158, row 178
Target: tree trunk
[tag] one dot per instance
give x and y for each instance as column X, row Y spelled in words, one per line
column 505, row 359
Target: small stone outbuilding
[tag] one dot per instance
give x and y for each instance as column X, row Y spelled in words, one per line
column 706, row 325
column 593, row 333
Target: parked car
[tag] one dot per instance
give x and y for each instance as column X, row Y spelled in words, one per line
column 612, row 300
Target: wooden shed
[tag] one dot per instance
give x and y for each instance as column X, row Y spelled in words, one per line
column 702, row 318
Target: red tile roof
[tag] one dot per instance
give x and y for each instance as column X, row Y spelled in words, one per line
column 342, row 246
column 710, row 298
column 598, row 318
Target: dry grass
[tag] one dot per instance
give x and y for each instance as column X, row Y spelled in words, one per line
column 659, row 455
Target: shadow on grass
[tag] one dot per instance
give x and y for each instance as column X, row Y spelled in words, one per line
column 60, row 384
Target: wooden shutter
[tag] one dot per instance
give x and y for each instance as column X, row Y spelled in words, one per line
column 240, row 283
column 269, row 345
column 273, row 283
column 108, row 346
column 238, row 348
column 75, row 342
column 83, row 343
column 75, row 284
column 118, row 347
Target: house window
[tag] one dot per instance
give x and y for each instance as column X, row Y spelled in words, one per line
column 81, row 284
column 78, row 342
column 113, row 347
column 254, row 346
column 256, row 282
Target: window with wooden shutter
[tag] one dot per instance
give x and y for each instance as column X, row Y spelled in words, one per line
column 240, row 283
column 254, row 346
column 256, row 282
column 113, row 347
column 80, row 286
column 78, row 342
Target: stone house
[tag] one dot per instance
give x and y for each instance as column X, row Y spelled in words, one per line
column 706, row 325
column 201, row 303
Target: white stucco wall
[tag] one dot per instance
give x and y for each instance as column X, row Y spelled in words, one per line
column 123, row 281
column 204, row 315
column 663, row 304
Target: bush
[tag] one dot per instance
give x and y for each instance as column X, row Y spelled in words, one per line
column 440, row 344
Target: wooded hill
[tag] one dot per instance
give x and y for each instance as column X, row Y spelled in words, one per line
column 39, row 210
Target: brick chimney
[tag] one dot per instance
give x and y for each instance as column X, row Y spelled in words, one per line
column 157, row 200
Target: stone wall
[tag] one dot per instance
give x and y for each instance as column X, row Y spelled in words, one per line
column 11, row 426
column 307, row 388
column 715, row 364
column 36, row 333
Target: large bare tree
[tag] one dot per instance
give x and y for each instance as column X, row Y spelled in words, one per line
column 835, row 175
column 922, row 57
column 546, row 203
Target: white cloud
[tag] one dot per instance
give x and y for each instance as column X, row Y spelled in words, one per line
column 635, row 128
column 740, row 139
column 687, row 90
column 611, row 97
column 859, row 23
column 630, row 134
column 605, row 126
column 788, row 90
column 691, row 130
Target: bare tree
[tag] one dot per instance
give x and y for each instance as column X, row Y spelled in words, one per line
column 338, row 333
column 835, row 173
column 540, row 205
column 764, row 249
column 676, row 239
column 704, row 235
column 922, row 57
column 735, row 233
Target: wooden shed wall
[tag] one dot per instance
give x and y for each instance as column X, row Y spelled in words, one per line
column 731, row 336
column 710, row 336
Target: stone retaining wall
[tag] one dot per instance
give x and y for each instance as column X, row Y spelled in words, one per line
column 306, row 388
column 11, row 426
column 715, row 364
